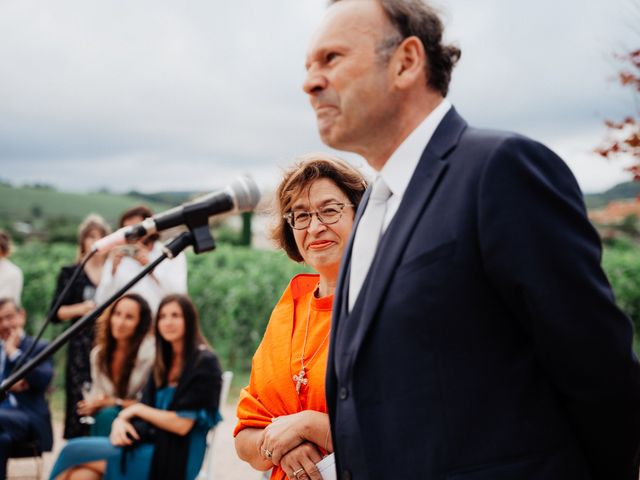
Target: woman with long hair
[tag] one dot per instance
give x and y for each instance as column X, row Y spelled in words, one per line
column 79, row 301
column 163, row 436
column 120, row 362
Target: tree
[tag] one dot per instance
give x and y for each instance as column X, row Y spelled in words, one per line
column 623, row 139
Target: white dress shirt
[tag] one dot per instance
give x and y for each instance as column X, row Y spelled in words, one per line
column 399, row 169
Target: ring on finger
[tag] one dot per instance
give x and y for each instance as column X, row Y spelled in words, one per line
column 298, row 472
column 267, row 453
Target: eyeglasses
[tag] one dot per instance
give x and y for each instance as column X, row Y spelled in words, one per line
column 327, row 215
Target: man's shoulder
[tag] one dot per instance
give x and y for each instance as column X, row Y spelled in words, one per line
column 455, row 135
column 28, row 340
column 484, row 145
column 493, row 136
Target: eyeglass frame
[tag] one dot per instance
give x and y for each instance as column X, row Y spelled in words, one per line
column 289, row 216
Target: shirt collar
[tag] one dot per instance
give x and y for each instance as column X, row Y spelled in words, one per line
column 398, row 170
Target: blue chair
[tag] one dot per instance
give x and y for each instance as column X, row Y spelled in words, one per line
column 206, row 470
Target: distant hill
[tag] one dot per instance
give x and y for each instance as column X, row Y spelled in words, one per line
column 621, row 191
column 39, row 203
column 42, row 212
column 171, row 198
column 29, row 204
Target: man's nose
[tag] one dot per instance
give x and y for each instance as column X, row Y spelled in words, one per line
column 314, row 82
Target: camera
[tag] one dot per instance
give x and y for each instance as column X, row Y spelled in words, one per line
column 129, row 250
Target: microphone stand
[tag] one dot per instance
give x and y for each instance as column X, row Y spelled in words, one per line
column 199, row 237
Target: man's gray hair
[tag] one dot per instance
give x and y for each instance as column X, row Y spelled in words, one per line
column 5, row 300
column 414, row 18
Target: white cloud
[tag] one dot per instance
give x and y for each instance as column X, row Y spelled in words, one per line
column 158, row 95
column 593, row 172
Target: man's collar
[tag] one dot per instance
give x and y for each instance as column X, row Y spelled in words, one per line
column 398, row 170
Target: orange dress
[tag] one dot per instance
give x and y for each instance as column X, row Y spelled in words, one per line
column 272, row 391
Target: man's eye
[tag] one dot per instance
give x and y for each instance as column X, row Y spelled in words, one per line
column 329, row 57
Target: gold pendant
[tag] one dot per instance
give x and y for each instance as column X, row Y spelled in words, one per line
column 300, row 380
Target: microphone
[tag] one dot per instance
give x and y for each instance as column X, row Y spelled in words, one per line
column 106, row 243
column 241, row 196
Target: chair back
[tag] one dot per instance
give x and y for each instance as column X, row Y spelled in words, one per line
column 206, row 470
column 22, row 450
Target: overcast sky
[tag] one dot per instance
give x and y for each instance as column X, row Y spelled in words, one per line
column 163, row 95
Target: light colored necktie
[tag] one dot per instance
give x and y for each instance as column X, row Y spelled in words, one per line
column 3, row 359
column 367, row 237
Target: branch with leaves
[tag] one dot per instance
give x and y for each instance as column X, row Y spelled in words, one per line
column 623, row 139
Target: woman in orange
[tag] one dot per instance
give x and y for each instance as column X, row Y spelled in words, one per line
column 283, row 422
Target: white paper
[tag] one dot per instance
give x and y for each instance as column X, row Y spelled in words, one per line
column 327, row 467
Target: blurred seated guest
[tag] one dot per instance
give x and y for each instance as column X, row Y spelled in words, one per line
column 79, row 301
column 24, row 415
column 164, row 436
column 127, row 261
column 282, row 414
column 120, row 362
column 10, row 274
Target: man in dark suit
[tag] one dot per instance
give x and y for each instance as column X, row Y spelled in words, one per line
column 475, row 335
column 24, row 415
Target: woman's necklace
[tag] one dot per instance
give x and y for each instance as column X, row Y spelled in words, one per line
column 301, row 378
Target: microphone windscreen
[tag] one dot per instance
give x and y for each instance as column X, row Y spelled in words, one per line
column 246, row 193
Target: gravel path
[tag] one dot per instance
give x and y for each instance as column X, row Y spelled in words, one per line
column 226, row 465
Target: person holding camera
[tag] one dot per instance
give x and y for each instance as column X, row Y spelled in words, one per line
column 127, row 261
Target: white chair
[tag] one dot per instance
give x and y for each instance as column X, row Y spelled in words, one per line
column 206, row 470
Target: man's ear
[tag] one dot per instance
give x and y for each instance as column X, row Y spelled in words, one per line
column 408, row 62
column 21, row 318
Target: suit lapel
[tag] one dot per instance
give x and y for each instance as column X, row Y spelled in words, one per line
column 3, row 362
column 25, row 343
column 424, row 182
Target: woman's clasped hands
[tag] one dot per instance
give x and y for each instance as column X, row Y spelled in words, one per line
column 284, row 443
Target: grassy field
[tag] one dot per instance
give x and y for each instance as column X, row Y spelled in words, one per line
column 29, row 203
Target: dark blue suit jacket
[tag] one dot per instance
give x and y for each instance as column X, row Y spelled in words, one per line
column 485, row 343
column 32, row 401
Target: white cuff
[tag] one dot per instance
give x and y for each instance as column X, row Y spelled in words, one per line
column 14, row 356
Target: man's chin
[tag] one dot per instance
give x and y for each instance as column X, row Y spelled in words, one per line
column 330, row 137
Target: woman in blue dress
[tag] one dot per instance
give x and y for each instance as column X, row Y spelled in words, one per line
column 164, row 436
